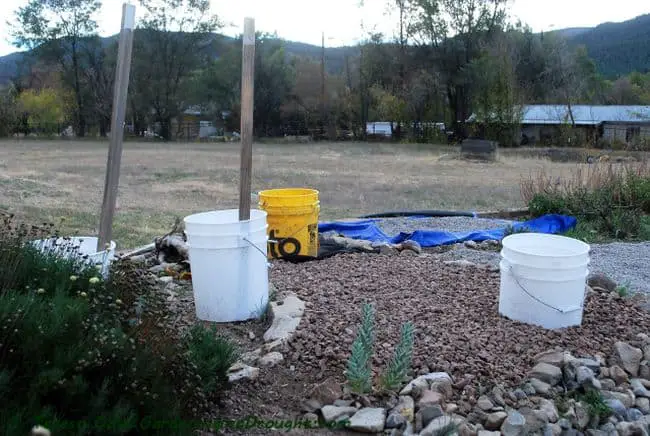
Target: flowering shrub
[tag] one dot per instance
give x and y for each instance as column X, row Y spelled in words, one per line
column 80, row 355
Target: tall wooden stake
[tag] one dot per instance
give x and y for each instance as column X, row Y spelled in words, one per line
column 247, row 88
column 117, row 126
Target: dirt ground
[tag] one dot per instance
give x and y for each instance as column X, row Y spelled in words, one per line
column 62, row 181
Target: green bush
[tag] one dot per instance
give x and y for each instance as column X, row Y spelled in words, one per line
column 80, row 355
column 607, row 199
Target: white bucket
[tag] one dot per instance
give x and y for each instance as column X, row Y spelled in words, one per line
column 543, row 279
column 87, row 246
column 229, row 266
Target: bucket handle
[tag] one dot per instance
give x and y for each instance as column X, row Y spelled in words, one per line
column 563, row 311
column 268, row 264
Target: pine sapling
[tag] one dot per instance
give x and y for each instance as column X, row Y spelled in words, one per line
column 400, row 363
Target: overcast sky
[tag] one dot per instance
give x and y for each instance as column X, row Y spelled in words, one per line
column 341, row 20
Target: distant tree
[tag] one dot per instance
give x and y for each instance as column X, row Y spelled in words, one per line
column 174, row 39
column 57, row 30
column 45, row 109
column 8, row 110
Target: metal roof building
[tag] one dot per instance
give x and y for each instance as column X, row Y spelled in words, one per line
column 585, row 115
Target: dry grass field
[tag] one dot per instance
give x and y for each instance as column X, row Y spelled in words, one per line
column 62, row 181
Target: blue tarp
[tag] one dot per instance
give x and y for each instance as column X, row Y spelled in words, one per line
column 368, row 230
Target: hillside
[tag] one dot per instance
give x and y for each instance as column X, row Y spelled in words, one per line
column 618, row 48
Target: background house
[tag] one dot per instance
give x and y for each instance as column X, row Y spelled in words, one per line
column 611, row 123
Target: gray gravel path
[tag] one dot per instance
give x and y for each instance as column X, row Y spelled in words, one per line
column 626, row 263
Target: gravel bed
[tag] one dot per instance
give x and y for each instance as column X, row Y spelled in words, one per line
column 393, row 226
column 454, row 310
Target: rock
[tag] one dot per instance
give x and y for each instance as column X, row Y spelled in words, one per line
column 539, row 387
column 436, row 426
column 451, row 408
column 276, row 345
column 333, row 413
column 552, row 430
column 411, row 245
column 617, row 374
column 251, row 357
column 429, row 413
column 587, row 379
column 629, row 357
column 646, row 351
column 547, row 373
column 286, row 317
column 395, row 420
column 484, row 403
column 520, row 394
column 310, row 406
column 548, row 407
column 644, row 370
column 495, row 420
column 595, row 432
column 552, row 357
column 529, row 389
column 607, row 384
column 564, row 424
column 582, row 417
column 638, row 388
column 311, row 418
column 631, row 429
column 166, row 279
column 627, row 398
column 246, row 372
column 460, row 262
column 467, row 429
column 514, row 424
column 368, row 420
column 488, row 433
column 429, row 398
column 536, row 420
column 271, row 359
column 405, row 407
column 643, row 404
column 634, row 415
column 617, row 407
column 326, row 392
column 471, row 244
column 600, row 280
column 438, row 381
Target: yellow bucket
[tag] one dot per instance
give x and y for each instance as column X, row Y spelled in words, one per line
column 292, row 218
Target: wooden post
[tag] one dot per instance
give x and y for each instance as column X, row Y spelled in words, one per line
column 246, row 127
column 117, row 126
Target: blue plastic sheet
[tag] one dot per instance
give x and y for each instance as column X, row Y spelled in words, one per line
column 368, row 230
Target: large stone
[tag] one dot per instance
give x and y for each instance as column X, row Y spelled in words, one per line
column 271, row 359
column 439, row 424
column 582, row 417
column 495, row 420
column 627, row 398
column 617, row 407
column 644, row 370
column 607, row 384
column 631, row 429
column 286, row 317
column 429, row 398
column 552, row 357
column 639, row 389
column 643, row 404
column 540, row 387
column 629, row 357
column 246, row 372
column 326, row 392
column 334, row 413
column 514, row 424
column 405, row 407
column 600, row 280
column 547, row 373
column 548, row 407
column 488, row 433
column 429, row 413
column 634, row 415
column 618, row 374
column 438, row 381
column 368, row 420
column 395, row 420
column 484, row 403
column 552, row 430
column 589, row 363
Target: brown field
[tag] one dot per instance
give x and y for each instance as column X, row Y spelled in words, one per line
column 62, row 181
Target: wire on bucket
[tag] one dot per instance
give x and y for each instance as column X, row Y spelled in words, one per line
column 268, row 264
column 514, row 276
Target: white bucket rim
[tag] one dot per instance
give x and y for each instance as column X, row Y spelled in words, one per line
column 512, row 262
column 518, row 236
column 256, row 215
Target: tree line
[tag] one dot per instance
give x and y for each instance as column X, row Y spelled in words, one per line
column 447, row 60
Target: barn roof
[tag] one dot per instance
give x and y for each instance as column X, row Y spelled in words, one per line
column 583, row 114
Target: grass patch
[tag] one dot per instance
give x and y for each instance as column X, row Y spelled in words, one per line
column 611, row 202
